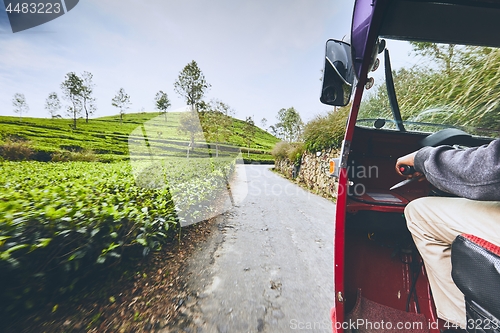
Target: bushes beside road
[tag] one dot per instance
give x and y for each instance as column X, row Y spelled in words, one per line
column 59, row 221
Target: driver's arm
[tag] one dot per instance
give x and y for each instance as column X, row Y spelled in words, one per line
column 472, row 173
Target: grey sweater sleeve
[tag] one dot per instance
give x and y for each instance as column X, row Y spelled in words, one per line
column 472, row 173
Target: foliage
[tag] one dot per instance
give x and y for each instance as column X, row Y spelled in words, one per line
column 20, row 105
column 86, row 91
column 192, row 182
column 109, row 139
column 262, row 139
column 56, row 224
column 162, row 103
column 191, row 84
column 249, row 131
column 464, row 93
column 263, row 122
column 16, row 150
column 59, row 220
column 326, row 131
column 122, row 102
column 216, row 105
column 79, row 91
column 53, row 104
column 286, row 150
column 280, row 150
column 72, row 87
column 217, row 123
column 190, row 123
column 296, row 151
column 447, row 55
column 289, row 126
column 86, row 155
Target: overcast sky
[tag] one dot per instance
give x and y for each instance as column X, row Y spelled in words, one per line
column 258, row 55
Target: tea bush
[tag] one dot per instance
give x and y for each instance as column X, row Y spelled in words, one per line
column 59, row 220
column 85, row 155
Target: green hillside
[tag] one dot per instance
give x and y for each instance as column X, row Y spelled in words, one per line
column 108, row 140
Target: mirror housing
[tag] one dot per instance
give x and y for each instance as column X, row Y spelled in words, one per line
column 338, row 74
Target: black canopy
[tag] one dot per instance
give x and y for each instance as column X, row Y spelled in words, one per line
column 472, row 22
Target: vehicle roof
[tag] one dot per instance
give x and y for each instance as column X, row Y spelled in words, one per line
column 471, row 22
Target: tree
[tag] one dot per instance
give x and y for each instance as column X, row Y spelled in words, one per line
column 217, row 123
column 226, row 110
column 72, row 89
column 87, row 100
column 289, row 125
column 263, row 122
column 190, row 123
column 53, row 104
column 162, row 103
column 20, row 105
column 79, row 91
column 276, row 130
column 191, row 84
column 447, row 55
column 122, row 102
column 249, row 129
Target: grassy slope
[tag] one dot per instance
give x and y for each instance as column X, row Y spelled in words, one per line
column 108, row 137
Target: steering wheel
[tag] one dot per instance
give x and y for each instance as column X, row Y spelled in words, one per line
column 447, row 136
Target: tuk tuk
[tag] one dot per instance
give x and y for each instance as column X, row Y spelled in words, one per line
column 380, row 280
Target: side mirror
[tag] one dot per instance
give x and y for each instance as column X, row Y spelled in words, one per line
column 338, row 74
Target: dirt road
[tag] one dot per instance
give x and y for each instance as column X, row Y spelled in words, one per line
column 268, row 266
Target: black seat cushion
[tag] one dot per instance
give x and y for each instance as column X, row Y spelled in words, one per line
column 476, row 272
column 480, row 320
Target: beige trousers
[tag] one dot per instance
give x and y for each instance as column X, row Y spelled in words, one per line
column 434, row 223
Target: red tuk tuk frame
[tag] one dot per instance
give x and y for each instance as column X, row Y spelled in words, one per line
column 469, row 22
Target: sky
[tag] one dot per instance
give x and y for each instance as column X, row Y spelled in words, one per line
column 258, row 55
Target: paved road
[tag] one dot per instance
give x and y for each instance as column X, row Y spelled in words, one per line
column 269, row 269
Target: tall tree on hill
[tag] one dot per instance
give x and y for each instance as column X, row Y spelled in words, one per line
column 249, row 132
column 191, row 84
column 289, row 124
column 263, row 122
column 162, row 102
column 53, row 104
column 72, row 89
column 79, row 91
column 122, row 102
column 86, row 91
column 20, row 105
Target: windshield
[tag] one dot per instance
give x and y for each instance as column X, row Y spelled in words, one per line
column 437, row 86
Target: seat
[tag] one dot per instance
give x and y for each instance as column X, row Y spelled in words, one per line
column 476, row 272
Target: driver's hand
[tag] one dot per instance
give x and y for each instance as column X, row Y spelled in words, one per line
column 407, row 160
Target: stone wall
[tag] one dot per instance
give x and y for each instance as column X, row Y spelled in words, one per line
column 313, row 172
